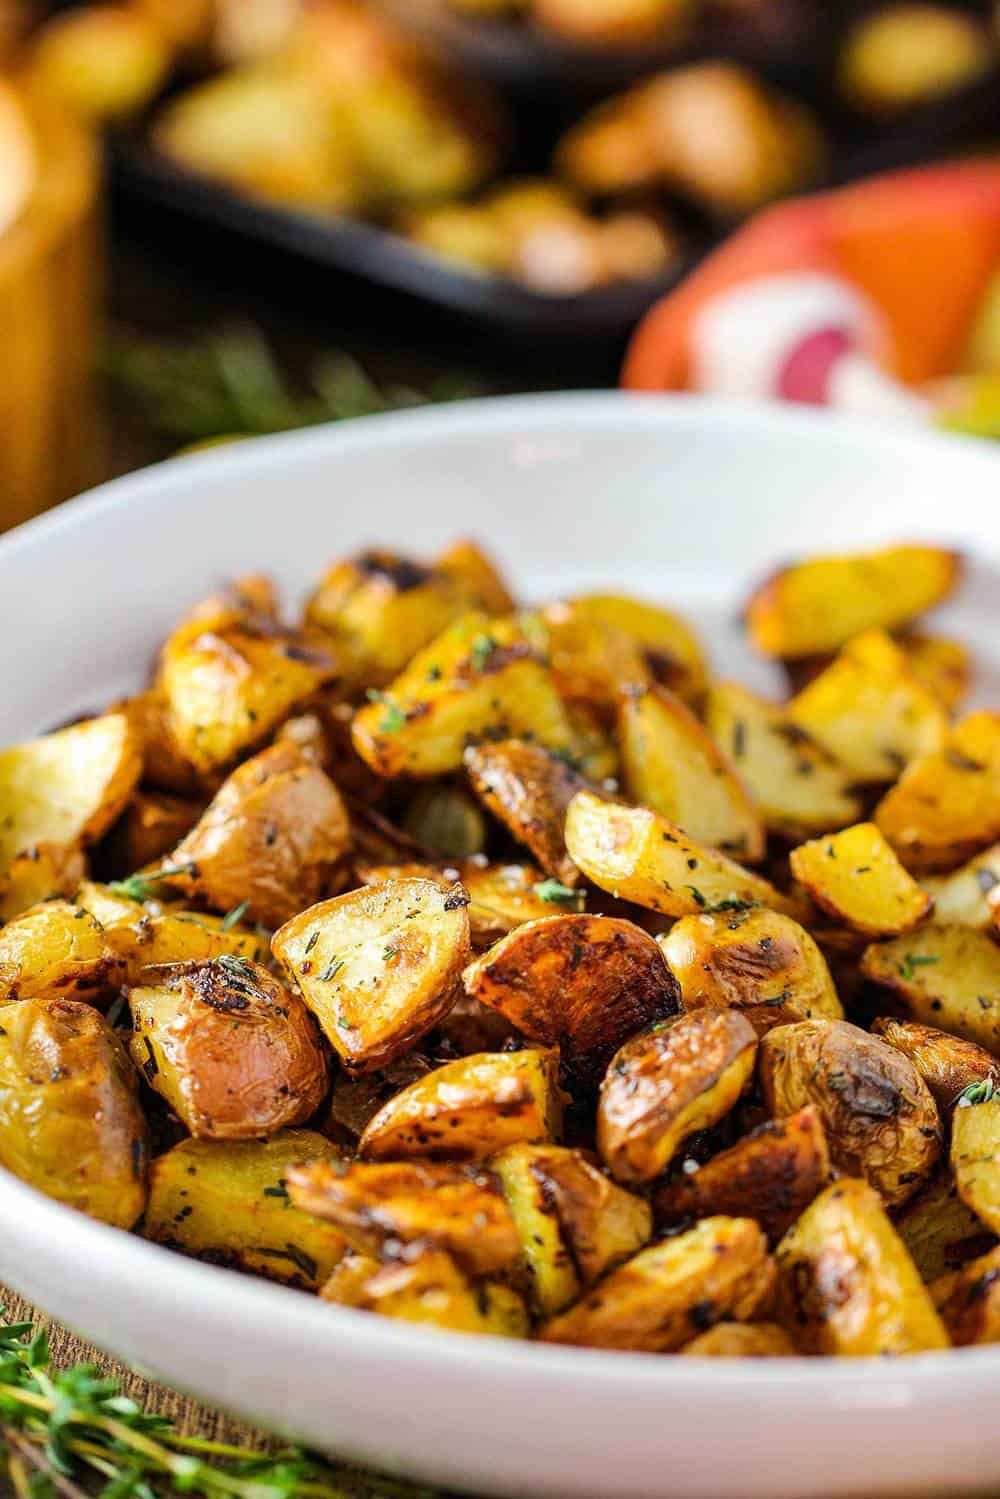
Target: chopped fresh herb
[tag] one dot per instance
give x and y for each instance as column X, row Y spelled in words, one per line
column 236, row 915
column 331, row 970
column 558, row 894
column 697, row 895
column 279, row 1191
column 914, row 960
column 389, row 952
column 481, row 650
column 981, row 1092
column 312, row 941
column 394, row 718
column 235, row 967
column 298, row 1257
column 143, row 886
column 739, row 739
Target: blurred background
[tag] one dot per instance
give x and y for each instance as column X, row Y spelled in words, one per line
column 222, row 217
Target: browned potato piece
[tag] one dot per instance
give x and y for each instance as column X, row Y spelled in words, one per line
column 152, row 824
column 669, row 1083
column 968, row 1301
column 37, row 874
column 963, row 898
column 975, row 1155
column 910, row 54
column 528, row 789
column 56, row 951
column 227, row 1202
column 164, row 766
column 592, row 660
column 637, row 855
column 947, row 1064
column 772, row 1176
column 846, row 1285
column 582, row 983
column 878, row 1114
column 857, row 879
column 612, row 22
column 943, row 665
column 346, row 1283
column 235, row 1055
column 656, row 1302
column 667, row 642
column 760, row 962
column 481, row 679
column 817, row 605
column 456, row 1208
column 945, row 976
column 870, row 711
column 104, row 62
column 611, row 150
column 940, row 1232
column 147, row 935
column 356, row 1100
column 475, row 572
column 501, row 896
column 430, row 1289
column 380, row 966
column 799, row 786
column 447, row 820
column 469, row 1109
column 270, row 838
column 741, row 1340
column 672, row 765
column 946, row 807
column 70, row 1124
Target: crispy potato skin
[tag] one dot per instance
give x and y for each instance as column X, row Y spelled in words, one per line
column 741, row 1340
column 270, row 837
column 759, row 962
column 528, row 789
column 583, row 983
column 945, row 807
column 433, row 1290
column 70, row 1123
column 231, row 1050
column 670, row 647
column 880, row 1119
column 39, row 873
column 165, row 767
column 226, row 1201
column 772, row 1175
column 56, row 951
column 975, row 1159
column 666, row 1084
column 657, row 1301
column 947, row 977
column 142, row 936
column 940, row 1231
column 947, row 1064
column 846, row 1285
column 855, row 877
column 968, row 1301
column 943, row 665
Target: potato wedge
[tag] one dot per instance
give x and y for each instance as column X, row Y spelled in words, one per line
column 857, row 879
column 817, row 605
column 39, row 873
column 718, row 1271
column 759, row 962
column 345, row 1285
column 799, row 787
column 592, row 661
column 71, row 1124
column 940, row 1232
column 975, row 1156
column 481, row 679
column 637, row 855
column 968, row 1301
column 963, row 898
column 948, row 1064
column 149, row 935
column 945, row 807
column 669, row 1083
column 227, row 1202
column 378, row 967
column 846, row 1285
column 469, row 1109
column 501, row 896
column 772, row 1175
column 671, row 648
column 528, row 789
column 477, row 575
column 878, row 1114
column 582, row 983
column 672, row 765
column 945, row 976
column 432, row 1290
column 235, row 1055
column 57, row 951
column 741, row 1340
column 943, row 665
column 459, row 1209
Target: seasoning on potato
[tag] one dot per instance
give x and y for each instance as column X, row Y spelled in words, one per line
column 940, row 1231
column 856, row 878
column 975, row 1152
column 944, row 976
column 57, row 951
column 968, row 1301
column 945, row 807
column 529, row 789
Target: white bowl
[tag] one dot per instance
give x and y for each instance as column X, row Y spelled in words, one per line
column 687, row 500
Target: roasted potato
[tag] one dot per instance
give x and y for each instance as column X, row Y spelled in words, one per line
column 968, row 1301
column 857, row 879
column 945, row 976
column 718, row 1271
column 165, row 768
column 592, row 660
column 772, row 1175
column 582, row 983
column 910, row 54
column 152, row 824
column 57, row 951
column 145, row 935
column 947, row 1064
column 378, row 967
column 70, row 1123
column 469, row 1109
column 235, row 1055
column 528, row 789
column 741, row 1340
column 759, row 962
column 227, row 1202
column 941, row 664
column 878, row 1114
column 940, row 1232
column 39, row 873
column 669, row 1083
column 963, row 898
column 104, row 62
column 619, row 23
column 846, row 1285
column 670, row 647
column 430, row 1289
column 477, row 575
column 945, row 807
column 356, row 1100
column 501, row 896
column 975, row 1153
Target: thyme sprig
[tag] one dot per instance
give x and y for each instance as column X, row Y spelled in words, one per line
column 144, row 886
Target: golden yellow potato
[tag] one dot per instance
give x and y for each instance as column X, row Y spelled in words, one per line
column 227, row 1202
column 164, row 765
column 855, row 877
column 909, row 54
column 718, row 1271
column 741, row 1340
column 528, row 789
column 475, row 571
column 378, row 967
column 846, row 1285
column 592, row 660
column 963, row 898
column 39, row 873
column 667, row 642
column 57, row 951
column 611, row 150
column 946, row 807
column 759, row 962
column 432, row 1290
column 878, row 1114
column 968, row 1301
column 975, row 1155
column 465, row 234
column 70, row 1124
column 345, row 1286
column 148, row 935
column 582, row 983
column 501, row 896
column 612, row 22
column 940, row 1231
column 102, row 61
column 638, row 246
column 948, row 1064
column 945, row 976
column 152, row 824
column 941, row 664
column 235, row 1055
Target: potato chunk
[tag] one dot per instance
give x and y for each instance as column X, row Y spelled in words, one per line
column 476, row 572
column 945, row 807
column 968, row 1301
column 501, row 896
column 671, row 649
column 945, row 976
column 235, row 1055
column 880, row 1119
column 152, row 824
column 656, row 1302
column 637, row 855
column 939, row 1230
column 592, row 661
column 667, row 1084
column 758, row 962
column 227, row 1202
column 772, row 1175
column 70, row 1124
column 856, row 878
column 947, row 1064
column 270, row 838
column 144, row 935
column 459, row 1209
column 378, row 967
column 528, row 789
column 741, row 1340
column 819, row 604
column 963, row 898
column 672, row 765
column 582, row 983
column 846, row 1285
column 975, row 1156
column 432, row 1290
column 943, row 665
column 56, row 951
column 39, row 873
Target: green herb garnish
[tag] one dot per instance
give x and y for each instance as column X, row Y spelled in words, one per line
column 558, row 894
column 981, row 1092
column 481, row 650
column 142, row 887
column 914, row 960
column 233, row 917
column 394, row 718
